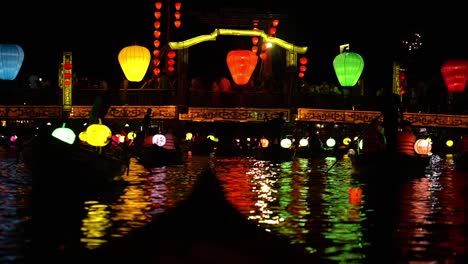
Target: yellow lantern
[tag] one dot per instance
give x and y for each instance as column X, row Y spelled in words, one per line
column 98, row 135
column 134, row 61
column 264, row 143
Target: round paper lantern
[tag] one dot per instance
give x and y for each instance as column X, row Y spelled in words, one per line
column 286, row 143
column 241, row 65
column 422, row 146
column 159, row 139
column 134, row 61
column 304, row 142
column 455, row 74
column 348, row 68
column 264, row 143
column 331, row 142
column 98, row 135
column 64, row 134
column 11, row 60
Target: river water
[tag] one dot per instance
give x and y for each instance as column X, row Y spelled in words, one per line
column 318, row 204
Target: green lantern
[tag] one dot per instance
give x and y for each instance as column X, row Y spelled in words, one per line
column 348, row 68
column 64, row 134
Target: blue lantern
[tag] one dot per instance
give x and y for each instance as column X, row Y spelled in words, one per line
column 11, row 59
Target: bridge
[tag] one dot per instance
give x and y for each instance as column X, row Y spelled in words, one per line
column 219, row 114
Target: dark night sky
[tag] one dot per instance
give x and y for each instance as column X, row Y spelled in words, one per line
column 95, row 34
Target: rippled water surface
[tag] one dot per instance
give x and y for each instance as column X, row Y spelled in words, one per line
column 318, row 204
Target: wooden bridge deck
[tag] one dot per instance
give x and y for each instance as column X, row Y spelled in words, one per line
column 210, row 114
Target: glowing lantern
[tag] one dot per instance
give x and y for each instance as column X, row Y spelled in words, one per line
column 303, row 60
column 422, row 146
column 272, row 31
column 264, row 143
column 241, row 64
column 177, row 23
column 156, row 43
column 348, row 68
column 64, row 134
column 455, row 73
column 171, row 54
column 254, row 49
column 156, row 52
column 275, row 22
column 131, row 135
column 156, row 71
column 255, row 40
column 98, row 135
column 134, row 61
column 157, row 24
column 159, row 140
column 158, row 5
column 286, row 143
column 304, row 142
column 82, row 136
column 11, row 60
column 449, row 143
column 157, row 33
column 331, row 142
column 157, row 14
column 178, row 5
column 177, row 15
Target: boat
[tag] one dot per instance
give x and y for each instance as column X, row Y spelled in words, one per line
column 56, row 164
column 203, row 228
column 397, row 165
column 155, row 156
column 274, row 153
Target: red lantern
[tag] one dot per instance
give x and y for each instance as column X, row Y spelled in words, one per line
column 171, row 62
column 272, row 31
column 177, row 15
column 302, row 68
column 157, row 43
column 157, row 34
column 455, row 73
column 177, row 23
column 275, row 22
column 158, row 5
column 303, row 60
column 156, row 71
column 171, row 54
column 255, row 40
column 178, row 5
column 156, row 62
column 241, row 64
column 355, row 196
column 157, row 25
column 156, row 53
column 254, row 49
column 157, row 14
column 301, row 75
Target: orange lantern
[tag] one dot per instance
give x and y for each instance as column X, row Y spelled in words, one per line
column 156, row 71
column 241, row 65
column 264, row 143
column 455, row 73
column 156, row 53
column 156, row 62
column 177, row 15
column 422, row 146
column 275, row 22
column 178, row 5
column 157, row 34
column 177, row 23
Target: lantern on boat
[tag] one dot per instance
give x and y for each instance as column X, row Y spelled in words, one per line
column 11, row 60
column 64, row 134
column 455, row 74
column 134, row 61
column 98, row 135
column 241, row 65
column 286, row 143
column 422, row 146
column 348, row 67
column 264, row 143
column 159, row 140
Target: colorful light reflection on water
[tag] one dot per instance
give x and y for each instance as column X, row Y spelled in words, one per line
column 312, row 203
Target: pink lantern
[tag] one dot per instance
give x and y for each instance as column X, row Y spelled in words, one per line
column 455, row 74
